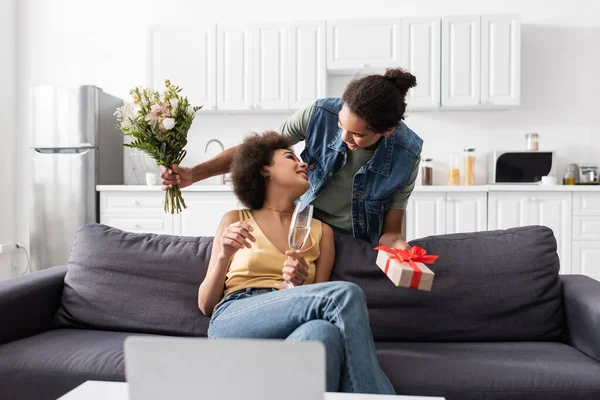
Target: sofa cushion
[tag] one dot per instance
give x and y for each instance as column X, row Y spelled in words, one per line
column 132, row 282
column 50, row 364
column 488, row 286
column 491, row 371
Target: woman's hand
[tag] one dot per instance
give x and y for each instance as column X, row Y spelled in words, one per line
column 235, row 237
column 295, row 268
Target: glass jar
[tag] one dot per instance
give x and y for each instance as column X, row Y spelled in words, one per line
column 454, row 170
column 531, row 141
column 469, row 160
column 427, row 171
column 568, row 176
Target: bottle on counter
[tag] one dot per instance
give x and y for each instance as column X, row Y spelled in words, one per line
column 454, row 170
column 568, row 176
column 427, row 171
column 469, row 159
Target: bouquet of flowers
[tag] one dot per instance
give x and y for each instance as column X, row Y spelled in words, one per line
column 159, row 124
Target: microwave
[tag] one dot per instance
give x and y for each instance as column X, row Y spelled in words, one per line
column 521, row 166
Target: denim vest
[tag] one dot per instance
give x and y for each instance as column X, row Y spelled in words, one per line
column 389, row 168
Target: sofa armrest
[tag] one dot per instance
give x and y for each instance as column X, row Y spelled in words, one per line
column 28, row 303
column 581, row 296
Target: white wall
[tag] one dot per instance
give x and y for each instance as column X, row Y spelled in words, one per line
column 67, row 42
column 8, row 135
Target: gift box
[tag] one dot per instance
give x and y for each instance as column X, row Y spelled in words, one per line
column 407, row 268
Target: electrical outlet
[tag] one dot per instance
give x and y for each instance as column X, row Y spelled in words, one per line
column 8, row 247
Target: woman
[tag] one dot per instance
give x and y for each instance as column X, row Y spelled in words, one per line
column 363, row 160
column 250, row 258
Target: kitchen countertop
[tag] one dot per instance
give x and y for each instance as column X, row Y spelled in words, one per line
column 157, row 188
column 418, row 188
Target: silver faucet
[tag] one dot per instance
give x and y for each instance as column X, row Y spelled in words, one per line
column 225, row 178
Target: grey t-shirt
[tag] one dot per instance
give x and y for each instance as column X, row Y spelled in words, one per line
column 334, row 205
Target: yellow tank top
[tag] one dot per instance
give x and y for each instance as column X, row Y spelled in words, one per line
column 260, row 265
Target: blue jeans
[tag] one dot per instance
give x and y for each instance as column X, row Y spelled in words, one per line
column 334, row 313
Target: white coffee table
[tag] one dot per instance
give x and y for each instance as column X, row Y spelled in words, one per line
column 98, row 390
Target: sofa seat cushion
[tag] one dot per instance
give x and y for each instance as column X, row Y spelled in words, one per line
column 54, row 362
column 465, row 371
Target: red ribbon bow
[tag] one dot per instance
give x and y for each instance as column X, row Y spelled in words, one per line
column 414, row 255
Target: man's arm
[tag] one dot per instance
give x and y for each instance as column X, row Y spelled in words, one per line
column 184, row 177
column 392, row 230
column 218, row 165
column 294, row 129
column 394, row 217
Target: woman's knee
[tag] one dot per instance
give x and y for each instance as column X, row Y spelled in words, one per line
column 348, row 290
column 321, row 330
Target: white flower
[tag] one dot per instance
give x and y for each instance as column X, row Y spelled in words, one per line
column 136, row 109
column 190, row 110
column 169, row 123
column 174, row 103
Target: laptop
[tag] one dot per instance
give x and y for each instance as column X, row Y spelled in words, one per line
column 224, row 369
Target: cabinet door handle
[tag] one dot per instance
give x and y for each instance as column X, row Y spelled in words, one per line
column 137, row 226
column 136, row 203
column 449, row 199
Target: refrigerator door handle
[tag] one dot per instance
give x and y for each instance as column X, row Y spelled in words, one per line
column 65, row 151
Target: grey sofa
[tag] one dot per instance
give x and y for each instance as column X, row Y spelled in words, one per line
column 500, row 323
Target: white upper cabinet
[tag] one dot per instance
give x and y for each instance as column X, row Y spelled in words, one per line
column 421, row 42
column 461, row 58
column 363, row 44
column 500, row 60
column 187, row 57
column 271, row 82
column 460, row 62
column 235, row 66
column 307, row 62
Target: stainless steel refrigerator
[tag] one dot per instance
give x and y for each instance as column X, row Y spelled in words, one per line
column 75, row 145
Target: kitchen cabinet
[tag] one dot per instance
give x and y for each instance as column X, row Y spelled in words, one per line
column 307, row 62
column 464, row 62
column 481, row 61
column 586, row 254
column 363, row 44
column 421, row 44
column 551, row 209
column 500, row 60
column 142, row 211
column 252, row 66
column 461, row 58
column 436, row 213
column 425, row 215
column 271, row 83
column 235, row 44
column 186, row 56
column 508, row 210
column 466, row 212
column 586, row 234
column 204, row 213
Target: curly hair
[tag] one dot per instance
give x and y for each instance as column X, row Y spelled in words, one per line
column 380, row 100
column 255, row 152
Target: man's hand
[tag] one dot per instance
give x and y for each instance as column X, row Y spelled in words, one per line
column 176, row 175
column 400, row 244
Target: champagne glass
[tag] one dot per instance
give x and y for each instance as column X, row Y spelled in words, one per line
column 299, row 230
